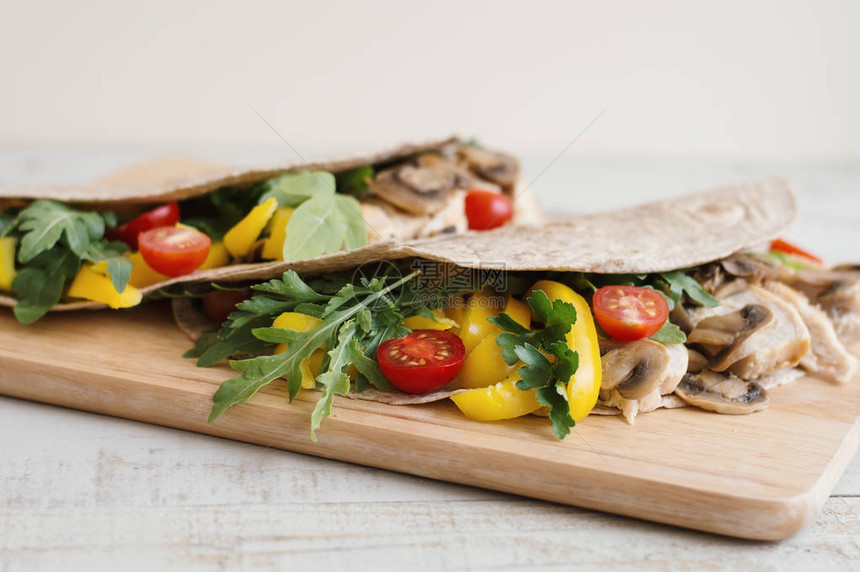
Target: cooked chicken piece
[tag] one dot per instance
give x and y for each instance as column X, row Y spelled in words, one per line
column 722, row 393
column 760, row 344
column 636, row 375
column 781, row 377
column 837, row 291
column 828, row 357
column 385, row 221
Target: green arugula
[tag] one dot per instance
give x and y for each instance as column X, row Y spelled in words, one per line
column 349, row 328
column 55, row 239
column 532, row 347
column 355, row 182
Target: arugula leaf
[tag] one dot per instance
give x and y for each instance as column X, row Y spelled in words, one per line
column 293, row 189
column 46, row 222
column 260, row 371
column 39, row 285
column 355, row 181
column 680, row 283
column 119, row 267
column 6, row 223
column 335, row 379
column 317, row 227
column 356, row 227
column 669, row 333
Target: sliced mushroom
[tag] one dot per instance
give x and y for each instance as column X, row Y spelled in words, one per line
column 422, row 185
column 779, row 344
column 634, row 368
column 637, row 375
column 725, row 337
column 696, row 362
column 753, row 268
column 681, row 318
column 498, row 168
column 726, row 394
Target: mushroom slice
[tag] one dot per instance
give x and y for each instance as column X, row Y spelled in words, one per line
column 498, row 168
column 635, row 369
column 638, row 375
column 779, row 344
column 753, row 268
column 836, row 290
column 828, row 356
column 726, row 394
column 422, row 185
column 725, row 338
column 696, row 362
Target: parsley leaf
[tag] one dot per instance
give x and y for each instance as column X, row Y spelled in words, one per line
column 548, row 374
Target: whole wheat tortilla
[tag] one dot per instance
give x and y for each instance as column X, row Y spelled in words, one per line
column 656, row 237
column 176, row 180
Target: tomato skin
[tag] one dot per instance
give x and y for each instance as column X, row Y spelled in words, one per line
column 221, row 303
column 165, row 215
column 174, row 251
column 630, row 313
column 787, row 248
column 398, row 360
column 486, row 210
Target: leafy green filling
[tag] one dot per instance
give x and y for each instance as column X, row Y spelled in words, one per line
column 54, row 240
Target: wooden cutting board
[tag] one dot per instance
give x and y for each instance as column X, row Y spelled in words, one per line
column 761, row 476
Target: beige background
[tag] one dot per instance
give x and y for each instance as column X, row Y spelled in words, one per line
column 758, row 79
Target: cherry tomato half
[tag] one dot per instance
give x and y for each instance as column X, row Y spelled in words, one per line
column 174, row 251
column 486, row 210
column 422, row 361
column 221, row 303
column 165, row 215
column 630, row 312
column 786, row 247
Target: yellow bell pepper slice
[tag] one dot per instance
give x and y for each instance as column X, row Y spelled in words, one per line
column 503, row 400
column 310, row 367
column 519, row 311
column 484, row 365
column 456, row 310
column 89, row 284
column 438, row 322
column 273, row 248
column 143, row 275
column 242, row 236
column 584, row 387
column 7, row 262
column 217, row 256
column 475, row 326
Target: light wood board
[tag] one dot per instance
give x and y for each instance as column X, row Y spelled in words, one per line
column 762, row 476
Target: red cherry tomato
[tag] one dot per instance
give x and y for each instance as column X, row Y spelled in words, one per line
column 422, row 361
column 165, row 215
column 786, row 247
column 174, row 251
column 221, row 303
column 630, row 312
column 486, row 210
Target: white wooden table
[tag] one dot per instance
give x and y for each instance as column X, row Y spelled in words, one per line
column 83, row 491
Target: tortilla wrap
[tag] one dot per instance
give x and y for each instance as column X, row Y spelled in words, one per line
column 167, row 180
column 656, row 237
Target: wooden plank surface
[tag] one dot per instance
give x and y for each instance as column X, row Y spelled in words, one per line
column 84, row 491
column 761, row 476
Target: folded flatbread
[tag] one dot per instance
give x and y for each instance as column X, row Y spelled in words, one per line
column 801, row 322
column 413, row 194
